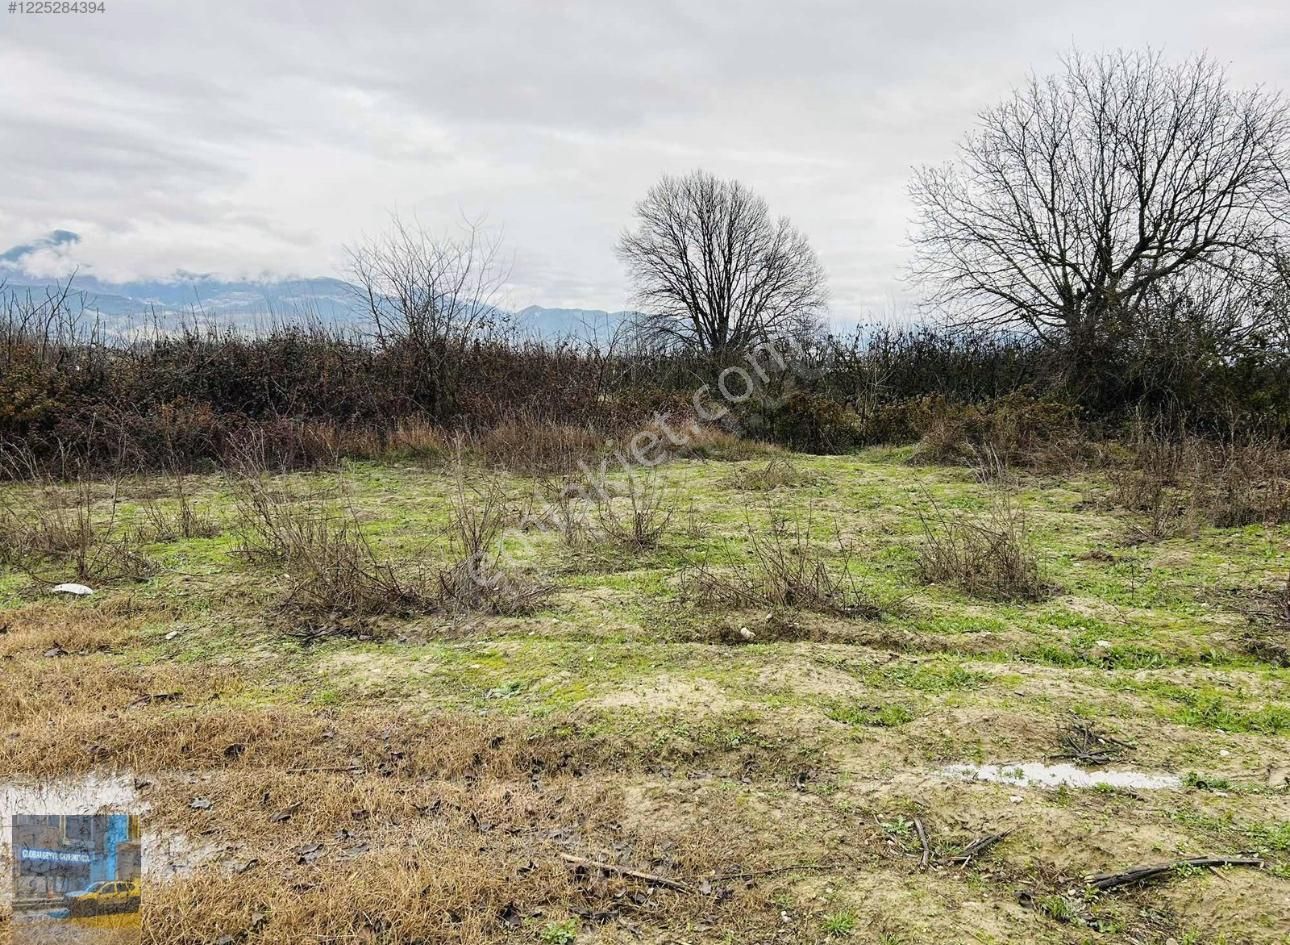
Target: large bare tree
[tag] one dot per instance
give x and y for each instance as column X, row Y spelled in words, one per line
column 713, row 271
column 430, row 296
column 1085, row 193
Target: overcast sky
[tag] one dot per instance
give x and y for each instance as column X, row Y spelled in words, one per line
column 249, row 139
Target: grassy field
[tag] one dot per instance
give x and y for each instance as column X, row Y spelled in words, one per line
column 748, row 768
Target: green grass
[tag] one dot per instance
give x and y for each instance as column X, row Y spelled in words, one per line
column 814, row 736
column 839, row 923
column 886, row 716
column 560, row 933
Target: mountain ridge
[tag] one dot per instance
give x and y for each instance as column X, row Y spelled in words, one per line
column 254, row 304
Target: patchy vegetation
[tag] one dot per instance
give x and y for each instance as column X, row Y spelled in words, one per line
column 476, row 761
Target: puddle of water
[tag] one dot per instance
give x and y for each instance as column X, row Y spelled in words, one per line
column 164, row 854
column 1037, row 774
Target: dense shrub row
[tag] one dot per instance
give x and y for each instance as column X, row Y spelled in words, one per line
column 299, row 396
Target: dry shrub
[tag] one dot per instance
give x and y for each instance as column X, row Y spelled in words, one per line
column 565, row 509
column 185, row 519
column 69, row 535
column 1268, row 635
column 334, row 570
column 536, row 448
column 285, row 444
column 277, row 525
column 638, row 519
column 783, row 567
column 802, row 421
column 1249, row 485
column 779, row 473
column 989, row 467
column 480, row 580
column 989, row 556
column 1021, row 431
column 1165, row 515
column 340, row 574
column 1183, row 481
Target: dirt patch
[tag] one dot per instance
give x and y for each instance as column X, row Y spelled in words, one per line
column 667, row 693
column 802, row 675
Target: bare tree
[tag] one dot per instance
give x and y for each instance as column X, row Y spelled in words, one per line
column 1083, row 194
column 713, row 271
column 431, row 297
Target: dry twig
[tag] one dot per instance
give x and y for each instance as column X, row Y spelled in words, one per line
column 1139, row 874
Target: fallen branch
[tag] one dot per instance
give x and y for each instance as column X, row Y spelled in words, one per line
column 1138, row 874
column 352, row 769
column 624, row 871
column 1084, row 744
column 927, row 847
column 977, row 847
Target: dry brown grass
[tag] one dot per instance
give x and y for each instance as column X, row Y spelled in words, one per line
column 708, row 441
column 390, row 859
column 783, row 568
column 537, row 448
column 173, row 716
column 61, row 630
column 778, row 473
column 365, row 823
column 1179, row 483
column 413, row 439
column 988, row 555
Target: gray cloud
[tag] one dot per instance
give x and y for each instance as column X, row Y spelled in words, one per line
column 246, row 138
column 16, row 254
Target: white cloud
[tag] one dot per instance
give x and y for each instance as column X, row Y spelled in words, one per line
column 246, row 138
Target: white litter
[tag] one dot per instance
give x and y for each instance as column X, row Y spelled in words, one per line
column 1035, row 774
column 80, row 590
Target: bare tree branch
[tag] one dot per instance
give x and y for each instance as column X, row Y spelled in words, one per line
column 1079, row 198
column 431, row 296
column 714, row 272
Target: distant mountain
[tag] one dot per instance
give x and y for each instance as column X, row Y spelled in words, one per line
column 582, row 324
column 243, row 304
column 124, row 307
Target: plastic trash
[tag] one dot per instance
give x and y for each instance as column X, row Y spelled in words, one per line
column 80, row 590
